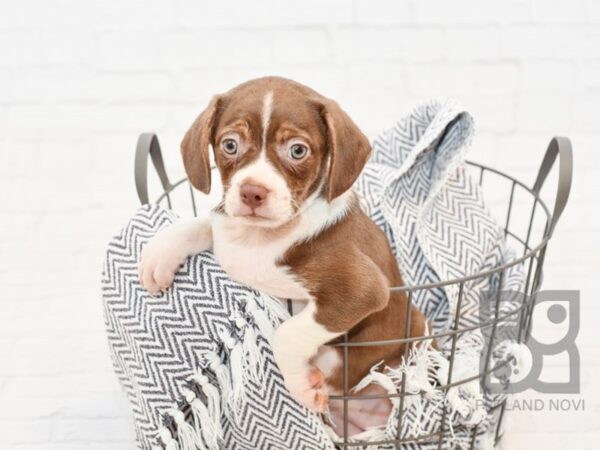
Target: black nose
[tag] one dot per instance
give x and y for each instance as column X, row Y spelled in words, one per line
column 253, row 195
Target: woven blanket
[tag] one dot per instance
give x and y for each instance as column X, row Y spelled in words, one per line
column 417, row 189
column 196, row 362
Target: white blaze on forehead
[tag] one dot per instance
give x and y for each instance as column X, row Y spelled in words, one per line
column 266, row 117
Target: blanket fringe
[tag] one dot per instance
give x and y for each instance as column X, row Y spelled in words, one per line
column 253, row 358
column 423, row 370
column 197, row 426
column 167, row 439
column 205, row 424
column 267, row 313
column 220, row 370
column 381, row 379
column 260, row 317
column 236, row 394
column 213, row 400
column 186, row 434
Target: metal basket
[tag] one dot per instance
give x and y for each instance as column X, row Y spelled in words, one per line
column 533, row 244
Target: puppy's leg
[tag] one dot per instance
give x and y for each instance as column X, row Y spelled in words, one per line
column 166, row 252
column 295, row 342
column 341, row 300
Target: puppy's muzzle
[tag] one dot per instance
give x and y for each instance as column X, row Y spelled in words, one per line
column 253, row 195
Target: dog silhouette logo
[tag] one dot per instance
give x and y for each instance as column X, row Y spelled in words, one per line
column 514, row 355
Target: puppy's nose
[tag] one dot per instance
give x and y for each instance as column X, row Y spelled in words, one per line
column 253, row 195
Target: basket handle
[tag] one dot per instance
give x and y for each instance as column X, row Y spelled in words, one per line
column 559, row 146
column 147, row 144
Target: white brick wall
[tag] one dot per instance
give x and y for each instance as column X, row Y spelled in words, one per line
column 79, row 81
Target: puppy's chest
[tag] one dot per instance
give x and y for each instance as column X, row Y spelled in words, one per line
column 254, row 264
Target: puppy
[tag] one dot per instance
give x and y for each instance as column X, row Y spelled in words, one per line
column 290, row 225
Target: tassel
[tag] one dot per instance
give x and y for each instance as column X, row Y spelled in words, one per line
column 236, row 366
column 418, row 370
column 421, row 382
column 272, row 307
column 213, row 401
column 220, row 370
column 235, row 393
column 167, row 439
column 205, row 426
column 187, row 436
column 252, row 355
column 203, row 423
column 381, row 379
column 264, row 324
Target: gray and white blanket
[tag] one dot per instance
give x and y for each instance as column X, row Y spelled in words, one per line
column 196, row 362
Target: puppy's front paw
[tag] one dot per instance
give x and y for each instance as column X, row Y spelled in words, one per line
column 309, row 389
column 161, row 259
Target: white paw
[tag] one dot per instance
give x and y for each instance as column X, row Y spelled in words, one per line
column 305, row 382
column 162, row 256
column 309, row 389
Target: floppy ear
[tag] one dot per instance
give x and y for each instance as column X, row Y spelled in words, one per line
column 194, row 147
column 349, row 149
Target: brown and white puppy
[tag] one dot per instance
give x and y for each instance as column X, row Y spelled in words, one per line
column 289, row 225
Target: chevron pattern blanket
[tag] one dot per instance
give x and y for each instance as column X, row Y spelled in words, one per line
column 196, row 362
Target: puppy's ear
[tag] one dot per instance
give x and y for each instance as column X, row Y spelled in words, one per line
column 349, row 149
column 194, row 147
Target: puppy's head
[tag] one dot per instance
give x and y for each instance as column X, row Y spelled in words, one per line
column 278, row 146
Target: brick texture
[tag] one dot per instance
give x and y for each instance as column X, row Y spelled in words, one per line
column 79, row 81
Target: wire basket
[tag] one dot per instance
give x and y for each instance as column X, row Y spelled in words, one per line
column 528, row 225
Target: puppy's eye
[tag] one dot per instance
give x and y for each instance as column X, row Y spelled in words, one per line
column 229, row 146
column 298, row 151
